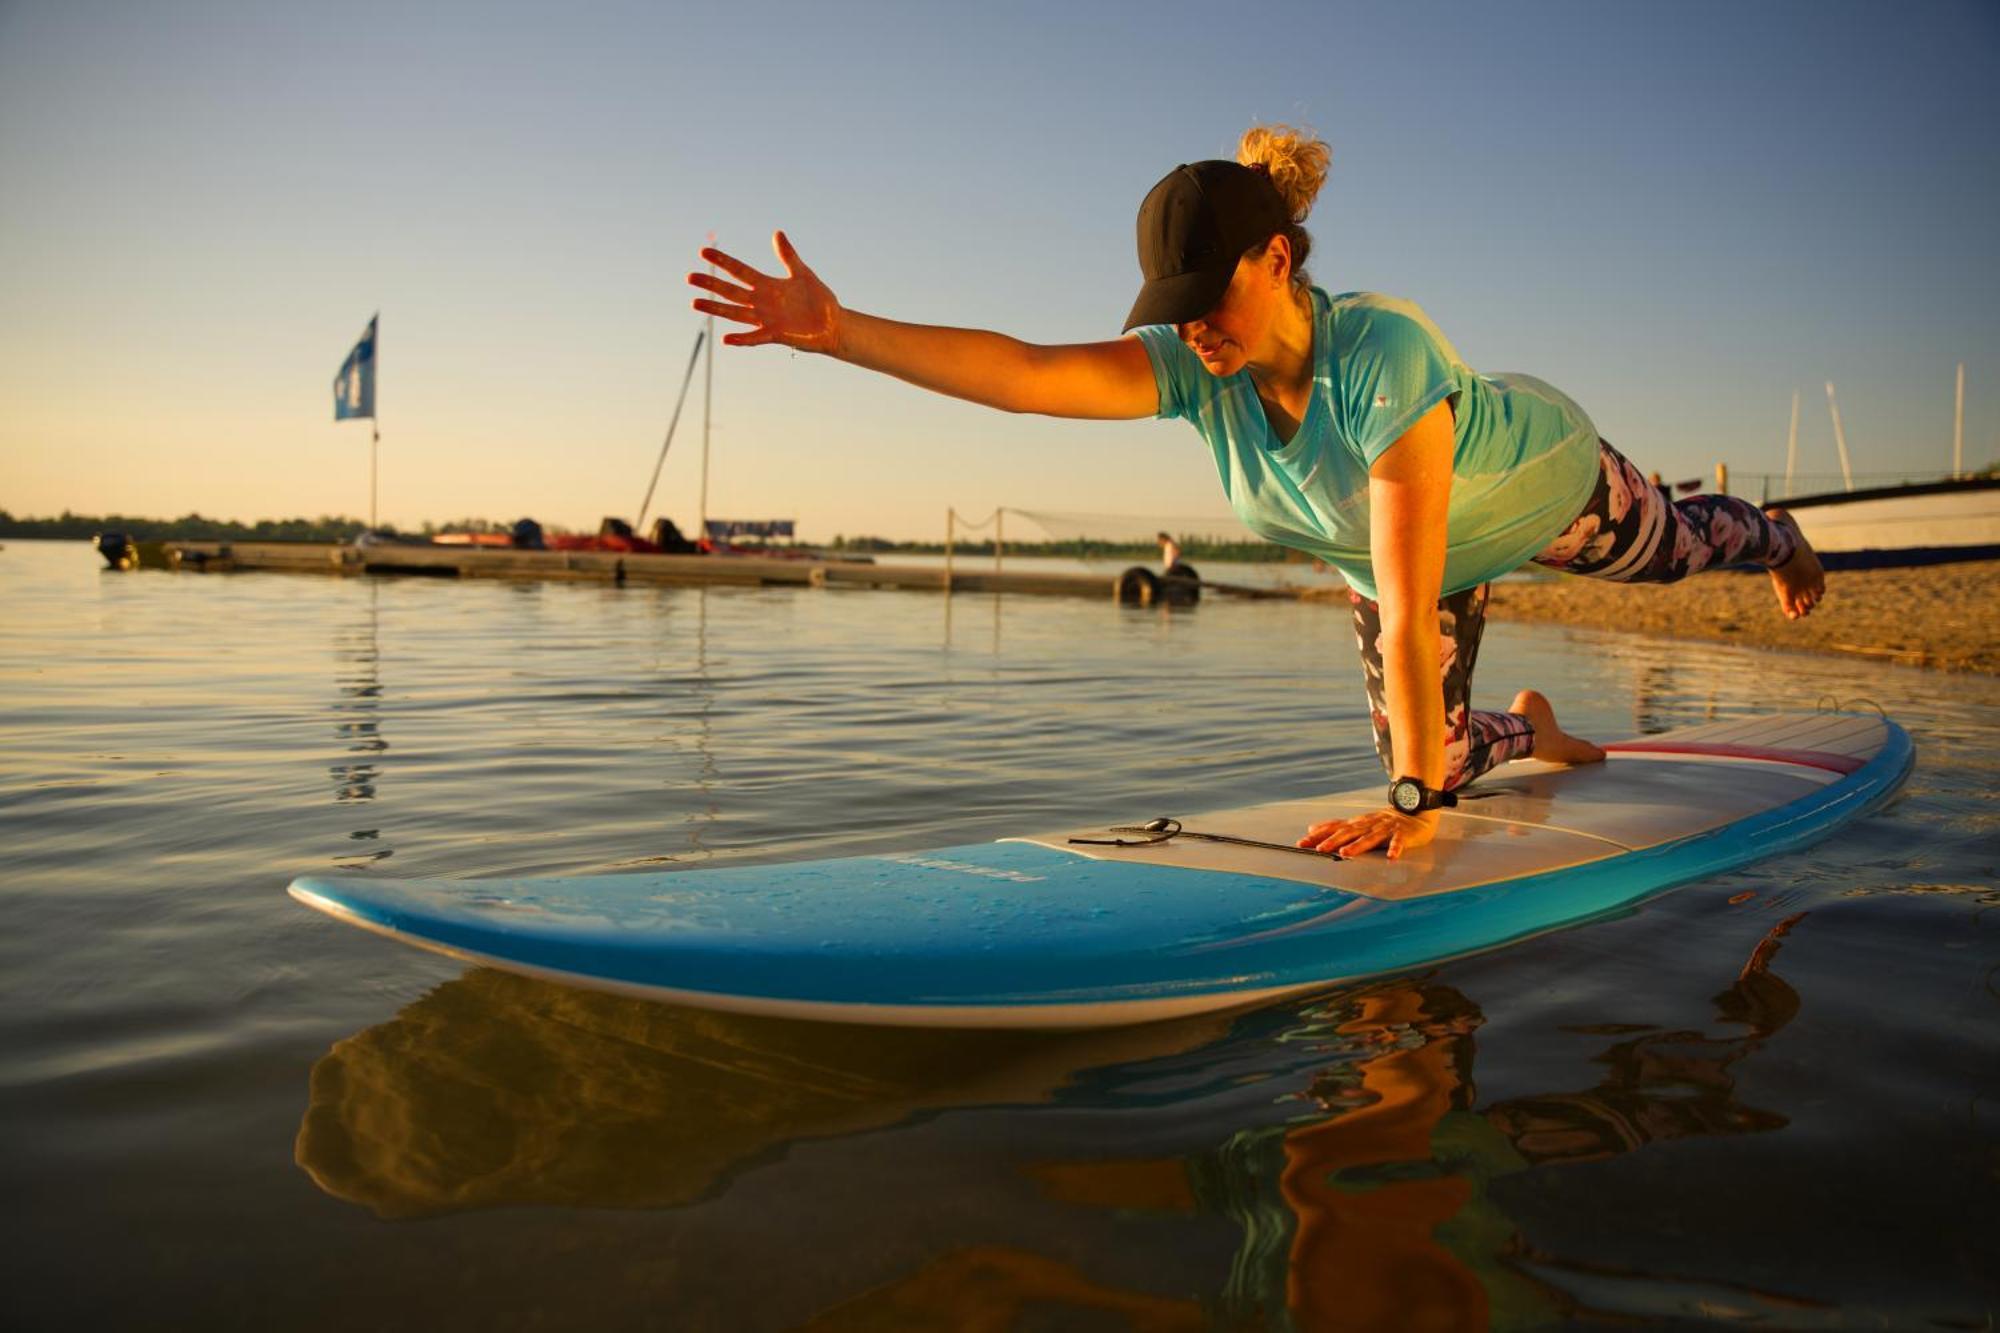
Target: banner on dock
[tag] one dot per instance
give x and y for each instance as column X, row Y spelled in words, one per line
column 724, row 529
column 354, row 386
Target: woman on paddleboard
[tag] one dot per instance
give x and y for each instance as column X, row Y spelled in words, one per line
column 1345, row 427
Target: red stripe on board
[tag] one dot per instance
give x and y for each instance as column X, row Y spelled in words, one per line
column 1837, row 763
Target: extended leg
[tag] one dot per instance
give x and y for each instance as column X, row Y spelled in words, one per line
column 1629, row 532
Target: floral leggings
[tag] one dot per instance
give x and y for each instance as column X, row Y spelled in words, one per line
column 1628, row 532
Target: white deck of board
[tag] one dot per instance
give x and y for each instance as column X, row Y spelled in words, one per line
column 1529, row 817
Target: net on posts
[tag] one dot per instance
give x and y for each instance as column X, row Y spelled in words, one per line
column 1223, row 529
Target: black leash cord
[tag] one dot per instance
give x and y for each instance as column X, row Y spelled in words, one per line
column 1163, row 830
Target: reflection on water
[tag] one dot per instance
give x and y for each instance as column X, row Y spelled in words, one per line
column 1658, row 698
column 690, row 702
column 1376, row 1209
column 704, row 809
column 998, row 1287
column 1379, row 1212
column 357, row 712
column 496, row 1090
column 1769, row 1097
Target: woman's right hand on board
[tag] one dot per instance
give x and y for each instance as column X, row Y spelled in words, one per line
column 796, row 310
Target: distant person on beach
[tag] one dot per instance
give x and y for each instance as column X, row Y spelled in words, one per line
column 1344, row 426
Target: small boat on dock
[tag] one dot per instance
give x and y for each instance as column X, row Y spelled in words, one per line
column 1933, row 520
column 1928, row 523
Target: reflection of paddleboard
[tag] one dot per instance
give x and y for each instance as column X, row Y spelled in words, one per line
column 494, row 1090
column 1045, row 932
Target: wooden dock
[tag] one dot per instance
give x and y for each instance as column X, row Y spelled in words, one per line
column 630, row 567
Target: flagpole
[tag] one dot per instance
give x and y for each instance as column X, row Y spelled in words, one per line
column 374, row 420
column 354, row 396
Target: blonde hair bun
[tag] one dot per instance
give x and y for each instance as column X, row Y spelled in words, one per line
column 1295, row 159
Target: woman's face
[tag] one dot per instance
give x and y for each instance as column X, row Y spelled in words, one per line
column 1228, row 336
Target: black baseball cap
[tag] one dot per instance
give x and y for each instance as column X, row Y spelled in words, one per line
column 1193, row 228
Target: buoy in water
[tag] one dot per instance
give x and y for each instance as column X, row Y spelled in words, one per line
column 1140, row 586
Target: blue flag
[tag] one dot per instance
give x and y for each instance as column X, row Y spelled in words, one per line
column 354, row 386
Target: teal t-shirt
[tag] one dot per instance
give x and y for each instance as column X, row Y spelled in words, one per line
column 1524, row 463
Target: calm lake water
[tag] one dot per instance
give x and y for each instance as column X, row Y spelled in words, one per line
column 1290, row 574
column 1770, row 1098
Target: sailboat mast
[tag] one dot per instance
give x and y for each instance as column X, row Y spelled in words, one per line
column 1958, row 428
column 707, row 398
column 1792, row 443
column 1839, row 436
column 672, row 424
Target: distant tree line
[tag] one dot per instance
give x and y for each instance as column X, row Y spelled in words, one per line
column 341, row 528
column 199, row 527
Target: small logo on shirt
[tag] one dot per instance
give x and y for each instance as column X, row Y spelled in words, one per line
column 1381, row 400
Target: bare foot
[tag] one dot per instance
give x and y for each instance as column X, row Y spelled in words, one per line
column 1552, row 743
column 1800, row 581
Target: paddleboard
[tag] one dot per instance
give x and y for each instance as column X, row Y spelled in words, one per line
column 1069, row 929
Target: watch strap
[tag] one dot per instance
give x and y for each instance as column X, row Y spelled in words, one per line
column 1430, row 798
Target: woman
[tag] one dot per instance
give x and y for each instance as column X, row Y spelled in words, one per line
column 1346, row 427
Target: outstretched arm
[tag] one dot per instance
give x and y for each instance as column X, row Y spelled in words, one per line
column 1103, row 380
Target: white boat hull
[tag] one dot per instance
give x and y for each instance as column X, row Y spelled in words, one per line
column 1904, row 525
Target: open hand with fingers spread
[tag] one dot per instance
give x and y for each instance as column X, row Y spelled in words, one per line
column 796, row 310
column 1363, row 833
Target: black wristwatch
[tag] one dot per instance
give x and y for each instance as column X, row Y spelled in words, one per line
column 1410, row 796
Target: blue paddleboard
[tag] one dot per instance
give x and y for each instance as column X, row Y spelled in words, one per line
column 1049, row 931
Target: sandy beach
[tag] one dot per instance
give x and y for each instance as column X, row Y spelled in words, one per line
column 1942, row 616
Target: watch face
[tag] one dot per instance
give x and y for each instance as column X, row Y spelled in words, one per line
column 1408, row 796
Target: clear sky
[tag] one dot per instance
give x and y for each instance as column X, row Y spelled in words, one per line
column 1677, row 212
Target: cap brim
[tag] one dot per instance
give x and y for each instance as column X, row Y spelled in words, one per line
column 1179, row 299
